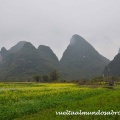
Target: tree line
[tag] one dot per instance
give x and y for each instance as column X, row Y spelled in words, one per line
column 51, row 77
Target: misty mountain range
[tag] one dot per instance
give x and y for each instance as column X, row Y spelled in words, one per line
column 80, row 60
column 113, row 68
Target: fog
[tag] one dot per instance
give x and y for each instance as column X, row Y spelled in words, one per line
column 53, row 22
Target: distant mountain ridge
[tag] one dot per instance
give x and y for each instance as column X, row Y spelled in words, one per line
column 27, row 62
column 113, row 68
column 18, row 46
column 82, row 60
column 22, row 61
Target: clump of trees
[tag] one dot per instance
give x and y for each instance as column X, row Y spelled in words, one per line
column 37, row 78
column 51, row 77
column 46, row 78
column 54, row 75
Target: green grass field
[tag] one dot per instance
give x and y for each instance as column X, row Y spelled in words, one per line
column 32, row 101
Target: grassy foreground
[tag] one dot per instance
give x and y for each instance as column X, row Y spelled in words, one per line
column 30, row 101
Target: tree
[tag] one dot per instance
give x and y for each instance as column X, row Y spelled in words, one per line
column 46, row 78
column 54, row 75
column 37, row 78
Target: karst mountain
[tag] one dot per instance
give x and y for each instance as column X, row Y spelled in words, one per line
column 113, row 68
column 80, row 60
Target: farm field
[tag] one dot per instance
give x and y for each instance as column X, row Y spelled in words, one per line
column 38, row 101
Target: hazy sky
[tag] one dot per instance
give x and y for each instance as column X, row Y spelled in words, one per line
column 53, row 22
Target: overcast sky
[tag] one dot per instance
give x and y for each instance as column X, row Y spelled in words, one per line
column 53, row 22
